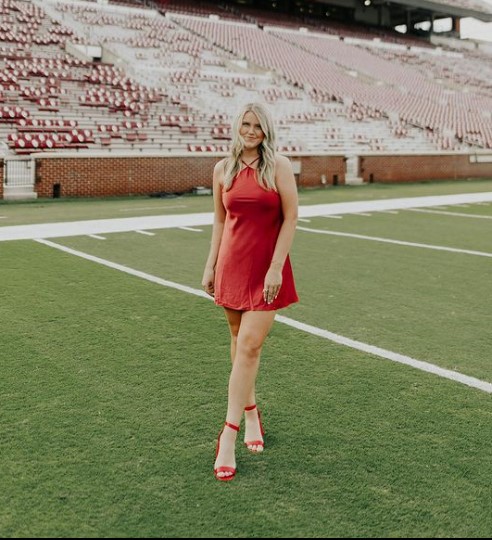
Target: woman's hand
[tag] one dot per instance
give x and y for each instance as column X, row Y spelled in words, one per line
column 208, row 281
column 272, row 284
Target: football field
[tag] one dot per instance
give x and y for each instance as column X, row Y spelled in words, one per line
column 375, row 389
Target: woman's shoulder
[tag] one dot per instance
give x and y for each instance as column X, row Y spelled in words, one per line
column 220, row 165
column 219, row 170
column 282, row 162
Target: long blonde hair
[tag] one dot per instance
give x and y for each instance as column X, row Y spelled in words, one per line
column 265, row 173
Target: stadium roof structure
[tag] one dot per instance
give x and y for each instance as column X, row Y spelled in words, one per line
column 457, row 8
column 419, row 9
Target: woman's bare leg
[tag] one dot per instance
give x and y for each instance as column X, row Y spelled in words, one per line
column 252, row 431
column 253, row 330
column 234, row 320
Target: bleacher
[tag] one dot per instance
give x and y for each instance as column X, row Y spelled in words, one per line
column 172, row 81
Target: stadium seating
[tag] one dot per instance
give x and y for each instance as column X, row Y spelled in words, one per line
column 334, row 89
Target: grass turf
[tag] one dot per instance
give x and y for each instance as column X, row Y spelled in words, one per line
column 114, row 390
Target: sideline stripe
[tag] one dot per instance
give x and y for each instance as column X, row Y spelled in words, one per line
column 364, row 347
column 102, row 226
column 399, row 242
column 146, row 233
column 97, row 237
column 459, row 214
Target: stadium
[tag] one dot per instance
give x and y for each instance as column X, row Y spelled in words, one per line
column 374, row 388
column 91, row 88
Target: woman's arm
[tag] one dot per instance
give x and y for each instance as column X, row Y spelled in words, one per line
column 218, row 228
column 286, row 185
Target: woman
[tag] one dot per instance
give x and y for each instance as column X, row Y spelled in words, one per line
column 248, row 270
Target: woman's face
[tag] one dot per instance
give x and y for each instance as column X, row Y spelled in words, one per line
column 250, row 130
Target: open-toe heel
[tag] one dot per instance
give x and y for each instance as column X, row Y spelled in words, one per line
column 258, row 443
column 225, row 469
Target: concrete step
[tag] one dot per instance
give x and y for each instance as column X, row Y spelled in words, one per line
column 353, row 180
column 15, row 193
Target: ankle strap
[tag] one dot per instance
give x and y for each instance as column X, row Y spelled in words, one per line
column 250, row 408
column 232, row 426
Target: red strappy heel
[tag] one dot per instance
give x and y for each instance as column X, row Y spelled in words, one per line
column 255, row 443
column 224, row 468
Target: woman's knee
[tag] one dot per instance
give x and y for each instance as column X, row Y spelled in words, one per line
column 249, row 346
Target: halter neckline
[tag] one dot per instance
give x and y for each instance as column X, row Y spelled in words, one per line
column 249, row 164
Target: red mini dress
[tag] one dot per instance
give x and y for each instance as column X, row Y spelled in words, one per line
column 252, row 225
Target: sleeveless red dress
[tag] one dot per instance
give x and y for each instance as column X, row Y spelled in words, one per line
column 252, row 224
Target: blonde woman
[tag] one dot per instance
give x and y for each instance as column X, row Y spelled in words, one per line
column 248, row 271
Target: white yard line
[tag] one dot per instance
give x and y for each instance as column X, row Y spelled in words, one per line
column 333, row 217
column 125, row 269
column 190, row 229
column 364, row 347
column 97, row 237
column 398, row 242
column 146, row 233
column 304, row 220
column 101, row 226
column 163, row 209
column 389, row 355
column 442, row 212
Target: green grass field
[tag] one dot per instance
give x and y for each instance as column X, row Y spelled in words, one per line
column 114, row 388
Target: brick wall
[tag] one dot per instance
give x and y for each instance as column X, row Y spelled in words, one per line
column 412, row 168
column 106, row 176
column 314, row 167
column 95, row 176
